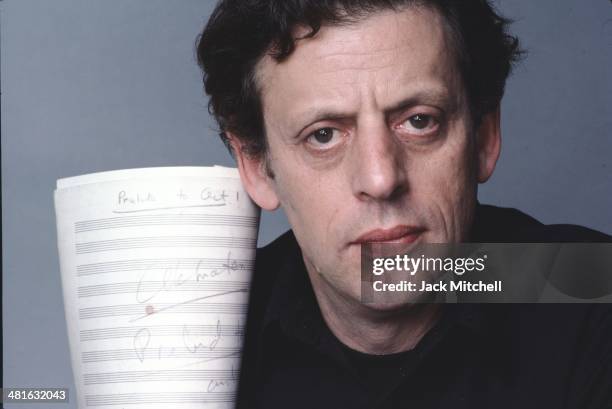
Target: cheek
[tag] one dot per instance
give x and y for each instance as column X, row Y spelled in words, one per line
column 445, row 186
column 312, row 198
column 309, row 202
column 445, row 173
column 314, row 221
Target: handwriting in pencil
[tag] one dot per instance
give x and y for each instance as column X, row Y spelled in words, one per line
column 150, row 209
column 157, row 311
column 208, row 194
column 141, row 342
column 230, row 355
column 214, row 385
column 172, row 278
column 193, row 344
column 227, row 267
column 125, row 198
column 217, row 337
column 134, row 202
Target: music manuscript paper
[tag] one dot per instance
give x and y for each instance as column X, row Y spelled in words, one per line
column 155, row 267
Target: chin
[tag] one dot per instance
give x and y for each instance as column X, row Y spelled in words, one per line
column 392, row 306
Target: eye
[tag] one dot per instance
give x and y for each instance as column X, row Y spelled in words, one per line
column 419, row 121
column 324, row 138
column 420, row 124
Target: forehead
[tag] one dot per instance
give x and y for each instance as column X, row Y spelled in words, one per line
column 380, row 59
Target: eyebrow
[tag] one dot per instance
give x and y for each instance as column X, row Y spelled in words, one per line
column 324, row 114
column 439, row 98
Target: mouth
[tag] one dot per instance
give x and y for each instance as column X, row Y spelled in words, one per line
column 398, row 234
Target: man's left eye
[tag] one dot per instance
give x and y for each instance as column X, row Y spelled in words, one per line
column 420, row 124
column 323, row 135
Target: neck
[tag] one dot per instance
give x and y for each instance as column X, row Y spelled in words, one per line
column 382, row 330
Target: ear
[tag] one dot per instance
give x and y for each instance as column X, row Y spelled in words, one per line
column 255, row 179
column 488, row 139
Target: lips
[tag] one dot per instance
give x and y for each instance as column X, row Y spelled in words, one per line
column 397, row 234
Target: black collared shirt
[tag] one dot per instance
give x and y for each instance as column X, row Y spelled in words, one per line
column 476, row 356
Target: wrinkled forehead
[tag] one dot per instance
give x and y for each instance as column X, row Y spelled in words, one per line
column 383, row 57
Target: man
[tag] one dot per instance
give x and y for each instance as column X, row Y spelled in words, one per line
column 374, row 122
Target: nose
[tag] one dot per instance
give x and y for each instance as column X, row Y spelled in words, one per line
column 378, row 164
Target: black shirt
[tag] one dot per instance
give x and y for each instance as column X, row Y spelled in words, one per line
column 476, row 356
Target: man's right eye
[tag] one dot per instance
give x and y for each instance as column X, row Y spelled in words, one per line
column 324, row 137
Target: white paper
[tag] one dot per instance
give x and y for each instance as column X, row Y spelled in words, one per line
column 156, row 265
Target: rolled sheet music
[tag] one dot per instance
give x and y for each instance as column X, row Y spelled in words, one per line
column 155, row 267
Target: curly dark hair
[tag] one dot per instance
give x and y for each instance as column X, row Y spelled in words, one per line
column 240, row 32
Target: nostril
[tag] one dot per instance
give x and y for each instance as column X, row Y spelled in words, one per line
column 383, row 182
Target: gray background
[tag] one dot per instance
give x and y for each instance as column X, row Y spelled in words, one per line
column 97, row 85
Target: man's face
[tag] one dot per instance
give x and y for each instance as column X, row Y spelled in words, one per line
column 369, row 139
